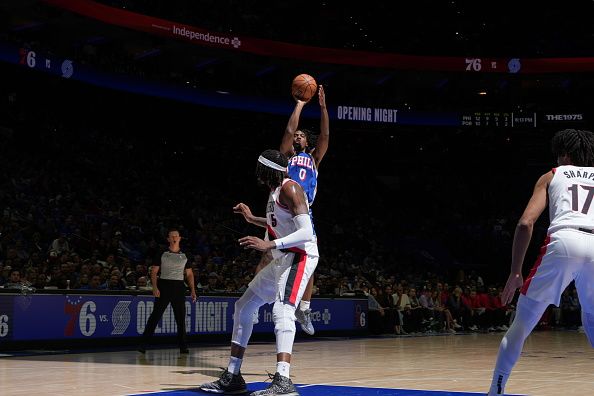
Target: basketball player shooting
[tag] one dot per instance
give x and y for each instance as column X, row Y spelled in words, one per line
column 567, row 254
column 305, row 152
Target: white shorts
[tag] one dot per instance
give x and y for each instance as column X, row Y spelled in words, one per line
column 567, row 254
column 285, row 278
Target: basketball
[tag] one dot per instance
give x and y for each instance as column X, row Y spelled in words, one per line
column 304, row 87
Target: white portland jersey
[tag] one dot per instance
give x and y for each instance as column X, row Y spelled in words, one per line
column 571, row 194
column 280, row 223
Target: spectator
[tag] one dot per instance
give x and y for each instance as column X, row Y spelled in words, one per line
column 461, row 312
column 83, row 282
column 376, row 311
column 496, row 311
column 40, row 282
column 213, row 285
column 94, row 283
column 392, row 322
column 14, row 280
column 415, row 315
column 445, row 313
column 402, row 305
column 60, row 245
column 442, row 293
column 479, row 318
column 114, row 282
column 142, row 284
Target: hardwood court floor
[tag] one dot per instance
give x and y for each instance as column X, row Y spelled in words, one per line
column 552, row 363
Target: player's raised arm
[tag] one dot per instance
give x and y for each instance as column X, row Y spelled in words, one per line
column 324, row 137
column 286, row 146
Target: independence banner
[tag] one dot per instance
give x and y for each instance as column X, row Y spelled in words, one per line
column 200, row 36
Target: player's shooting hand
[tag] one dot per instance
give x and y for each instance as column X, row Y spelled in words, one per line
column 156, row 292
column 514, row 282
column 244, row 210
column 251, row 242
column 322, row 96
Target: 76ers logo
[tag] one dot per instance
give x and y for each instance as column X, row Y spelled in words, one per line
column 72, row 309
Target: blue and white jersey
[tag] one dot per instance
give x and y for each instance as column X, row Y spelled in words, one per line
column 302, row 169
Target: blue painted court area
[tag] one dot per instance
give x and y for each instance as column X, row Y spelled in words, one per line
column 328, row 390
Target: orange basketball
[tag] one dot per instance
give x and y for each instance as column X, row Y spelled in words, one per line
column 304, row 87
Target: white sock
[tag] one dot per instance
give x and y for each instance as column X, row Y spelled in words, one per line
column 234, row 365
column 528, row 313
column 283, row 368
column 498, row 383
column 303, row 305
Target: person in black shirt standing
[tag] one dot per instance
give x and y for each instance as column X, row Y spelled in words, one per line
column 170, row 288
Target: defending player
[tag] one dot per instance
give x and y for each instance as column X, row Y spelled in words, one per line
column 294, row 258
column 567, row 253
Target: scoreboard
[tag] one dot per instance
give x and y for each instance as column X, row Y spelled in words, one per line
column 499, row 119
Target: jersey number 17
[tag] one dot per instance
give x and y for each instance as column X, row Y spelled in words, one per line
column 574, row 190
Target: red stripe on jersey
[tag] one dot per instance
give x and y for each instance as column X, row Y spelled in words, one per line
column 273, row 236
column 543, row 251
column 298, row 279
column 554, row 170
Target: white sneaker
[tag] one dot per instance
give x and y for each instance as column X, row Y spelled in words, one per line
column 304, row 318
column 255, row 318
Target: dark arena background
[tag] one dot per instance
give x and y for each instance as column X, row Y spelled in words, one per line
column 122, row 118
